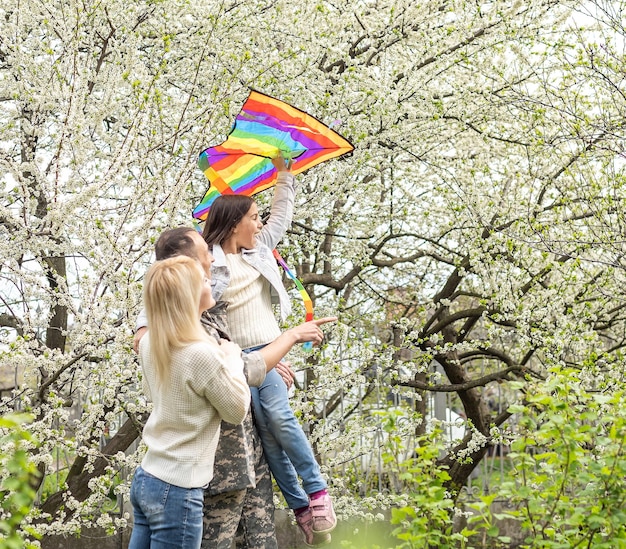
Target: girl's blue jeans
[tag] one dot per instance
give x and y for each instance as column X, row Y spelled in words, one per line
column 286, row 448
column 166, row 516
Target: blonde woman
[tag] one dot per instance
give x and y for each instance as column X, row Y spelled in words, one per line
column 193, row 383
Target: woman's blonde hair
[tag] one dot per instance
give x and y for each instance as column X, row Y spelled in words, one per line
column 171, row 293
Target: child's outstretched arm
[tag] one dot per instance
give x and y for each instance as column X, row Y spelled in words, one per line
column 308, row 331
column 281, row 213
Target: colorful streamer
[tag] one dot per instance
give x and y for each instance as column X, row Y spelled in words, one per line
column 306, row 299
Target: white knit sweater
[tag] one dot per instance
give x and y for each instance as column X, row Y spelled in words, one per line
column 250, row 315
column 184, row 426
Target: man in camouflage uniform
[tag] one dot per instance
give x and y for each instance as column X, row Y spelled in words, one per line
column 239, row 502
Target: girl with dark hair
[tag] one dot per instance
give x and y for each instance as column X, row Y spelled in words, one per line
column 245, row 275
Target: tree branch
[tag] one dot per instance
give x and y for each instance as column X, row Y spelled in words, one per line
column 453, row 388
column 78, row 483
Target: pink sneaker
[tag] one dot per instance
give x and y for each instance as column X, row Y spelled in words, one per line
column 311, row 538
column 324, row 519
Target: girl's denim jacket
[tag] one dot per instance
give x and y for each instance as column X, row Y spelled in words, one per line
column 261, row 257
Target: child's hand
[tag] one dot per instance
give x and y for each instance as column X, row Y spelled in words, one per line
column 311, row 331
column 280, row 165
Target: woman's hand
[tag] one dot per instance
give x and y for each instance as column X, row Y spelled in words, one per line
column 230, row 349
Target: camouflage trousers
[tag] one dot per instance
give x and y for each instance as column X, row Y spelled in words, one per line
column 245, row 516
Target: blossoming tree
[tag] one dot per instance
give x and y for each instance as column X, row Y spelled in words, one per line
column 479, row 218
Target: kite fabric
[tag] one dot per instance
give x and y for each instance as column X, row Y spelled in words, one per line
column 264, row 128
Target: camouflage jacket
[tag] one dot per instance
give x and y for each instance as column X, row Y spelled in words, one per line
column 235, row 460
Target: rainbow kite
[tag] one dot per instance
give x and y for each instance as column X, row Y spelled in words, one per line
column 265, row 128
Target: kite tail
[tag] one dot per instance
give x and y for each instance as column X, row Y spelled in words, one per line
column 306, row 299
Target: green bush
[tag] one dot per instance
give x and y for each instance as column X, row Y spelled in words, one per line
column 426, row 518
column 423, row 513
column 16, row 493
column 568, row 483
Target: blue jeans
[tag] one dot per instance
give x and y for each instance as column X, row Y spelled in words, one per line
column 285, row 445
column 165, row 515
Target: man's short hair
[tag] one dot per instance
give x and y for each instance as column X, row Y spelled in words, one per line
column 174, row 242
